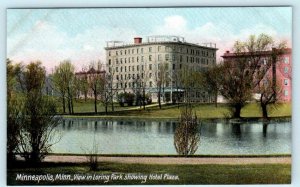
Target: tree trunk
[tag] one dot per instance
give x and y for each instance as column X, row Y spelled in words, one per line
column 274, row 72
column 159, row 101
column 264, row 110
column 237, row 111
column 95, row 101
column 144, row 97
column 64, row 103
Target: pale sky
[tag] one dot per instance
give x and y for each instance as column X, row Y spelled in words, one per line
column 79, row 35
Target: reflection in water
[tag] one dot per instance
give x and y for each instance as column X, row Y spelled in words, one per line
column 157, row 137
column 265, row 128
column 236, row 130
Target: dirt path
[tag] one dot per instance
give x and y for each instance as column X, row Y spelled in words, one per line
column 175, row 160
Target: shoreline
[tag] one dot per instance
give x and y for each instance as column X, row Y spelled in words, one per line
column 173, row 160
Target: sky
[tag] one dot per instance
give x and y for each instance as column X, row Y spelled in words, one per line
column 80, row 35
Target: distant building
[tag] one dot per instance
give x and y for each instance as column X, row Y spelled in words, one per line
column 88, row 76
column 283, row 70
column 142, row 59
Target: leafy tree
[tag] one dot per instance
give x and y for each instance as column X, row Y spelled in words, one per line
column 238, row 75
column 36, row 137
column 14, row 112
column 64, row 82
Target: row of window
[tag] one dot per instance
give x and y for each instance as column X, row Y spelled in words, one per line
column 167, row 58
column 204, row 53
column 141, row 67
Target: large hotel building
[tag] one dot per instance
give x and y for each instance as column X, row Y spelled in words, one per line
column 142, row 59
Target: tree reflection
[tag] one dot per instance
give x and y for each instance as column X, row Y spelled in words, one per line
column 187, row 135
column 265, row 128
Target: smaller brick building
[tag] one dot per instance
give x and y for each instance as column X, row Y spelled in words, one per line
column 283, row 69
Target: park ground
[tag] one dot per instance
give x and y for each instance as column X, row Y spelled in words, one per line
column 257, row 170
column 206, row 111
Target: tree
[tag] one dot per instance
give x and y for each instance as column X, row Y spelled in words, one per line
column 14, row 112
column 40, row 118
column 82, row 81
column 237, row 74
column 64, row 82
column 187, row 135
column 95, row 80
column 161, row 79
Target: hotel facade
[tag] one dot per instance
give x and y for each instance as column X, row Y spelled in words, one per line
column 142, row 60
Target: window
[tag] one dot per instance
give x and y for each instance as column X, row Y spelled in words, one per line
column 159, row 57
column 137, row 67
column 132, row 59
column 286, row 60
column 121, row 68
column 167, row 56
column 150, row 75
column 142, row 50
column 117, row 69
column 128, row 51
column 125, row 52
column 129, row 60
column 109, row 53
column 173, row 66
column 286, row 82
column 173, row 57
column 142, row 67
column 117, row 53
column 180, row 58
column 117, row 77
column 109, row 61
column 132, row 51
column 121, row 52
column 150, row 84
column 125, row 68
column 158, row 48
column 137, row 59
column 286, row 69
column 117, row 61
column 286, row 93
column 137, row 51
column 129, row 67
column 125, row 60
column 180, row 66
column 150, row 49
column 150, row 66
column 142, row 58
column 121, row 60
column 150, row 57
column 132, row 68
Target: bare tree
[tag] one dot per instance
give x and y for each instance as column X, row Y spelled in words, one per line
column 162, row 77
column 95, row 76
column 187, row 135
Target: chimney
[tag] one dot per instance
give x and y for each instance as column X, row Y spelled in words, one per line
column 137, row 40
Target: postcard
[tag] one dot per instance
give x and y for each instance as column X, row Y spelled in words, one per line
column 157, row 95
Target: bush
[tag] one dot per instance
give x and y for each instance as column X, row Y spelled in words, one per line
column 125, row 98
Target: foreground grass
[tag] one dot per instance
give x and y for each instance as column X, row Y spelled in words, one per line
column 82, row 109
column 187, row 174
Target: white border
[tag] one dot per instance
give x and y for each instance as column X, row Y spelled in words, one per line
column 150, row 3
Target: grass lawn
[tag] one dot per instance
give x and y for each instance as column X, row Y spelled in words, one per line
column 172, row 111
column 187, row 174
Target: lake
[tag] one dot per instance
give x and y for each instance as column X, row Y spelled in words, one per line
column 157, row 137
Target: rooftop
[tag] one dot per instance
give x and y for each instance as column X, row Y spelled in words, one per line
column 157, row 39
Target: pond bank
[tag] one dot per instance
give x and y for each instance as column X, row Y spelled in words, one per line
column 174, row 160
